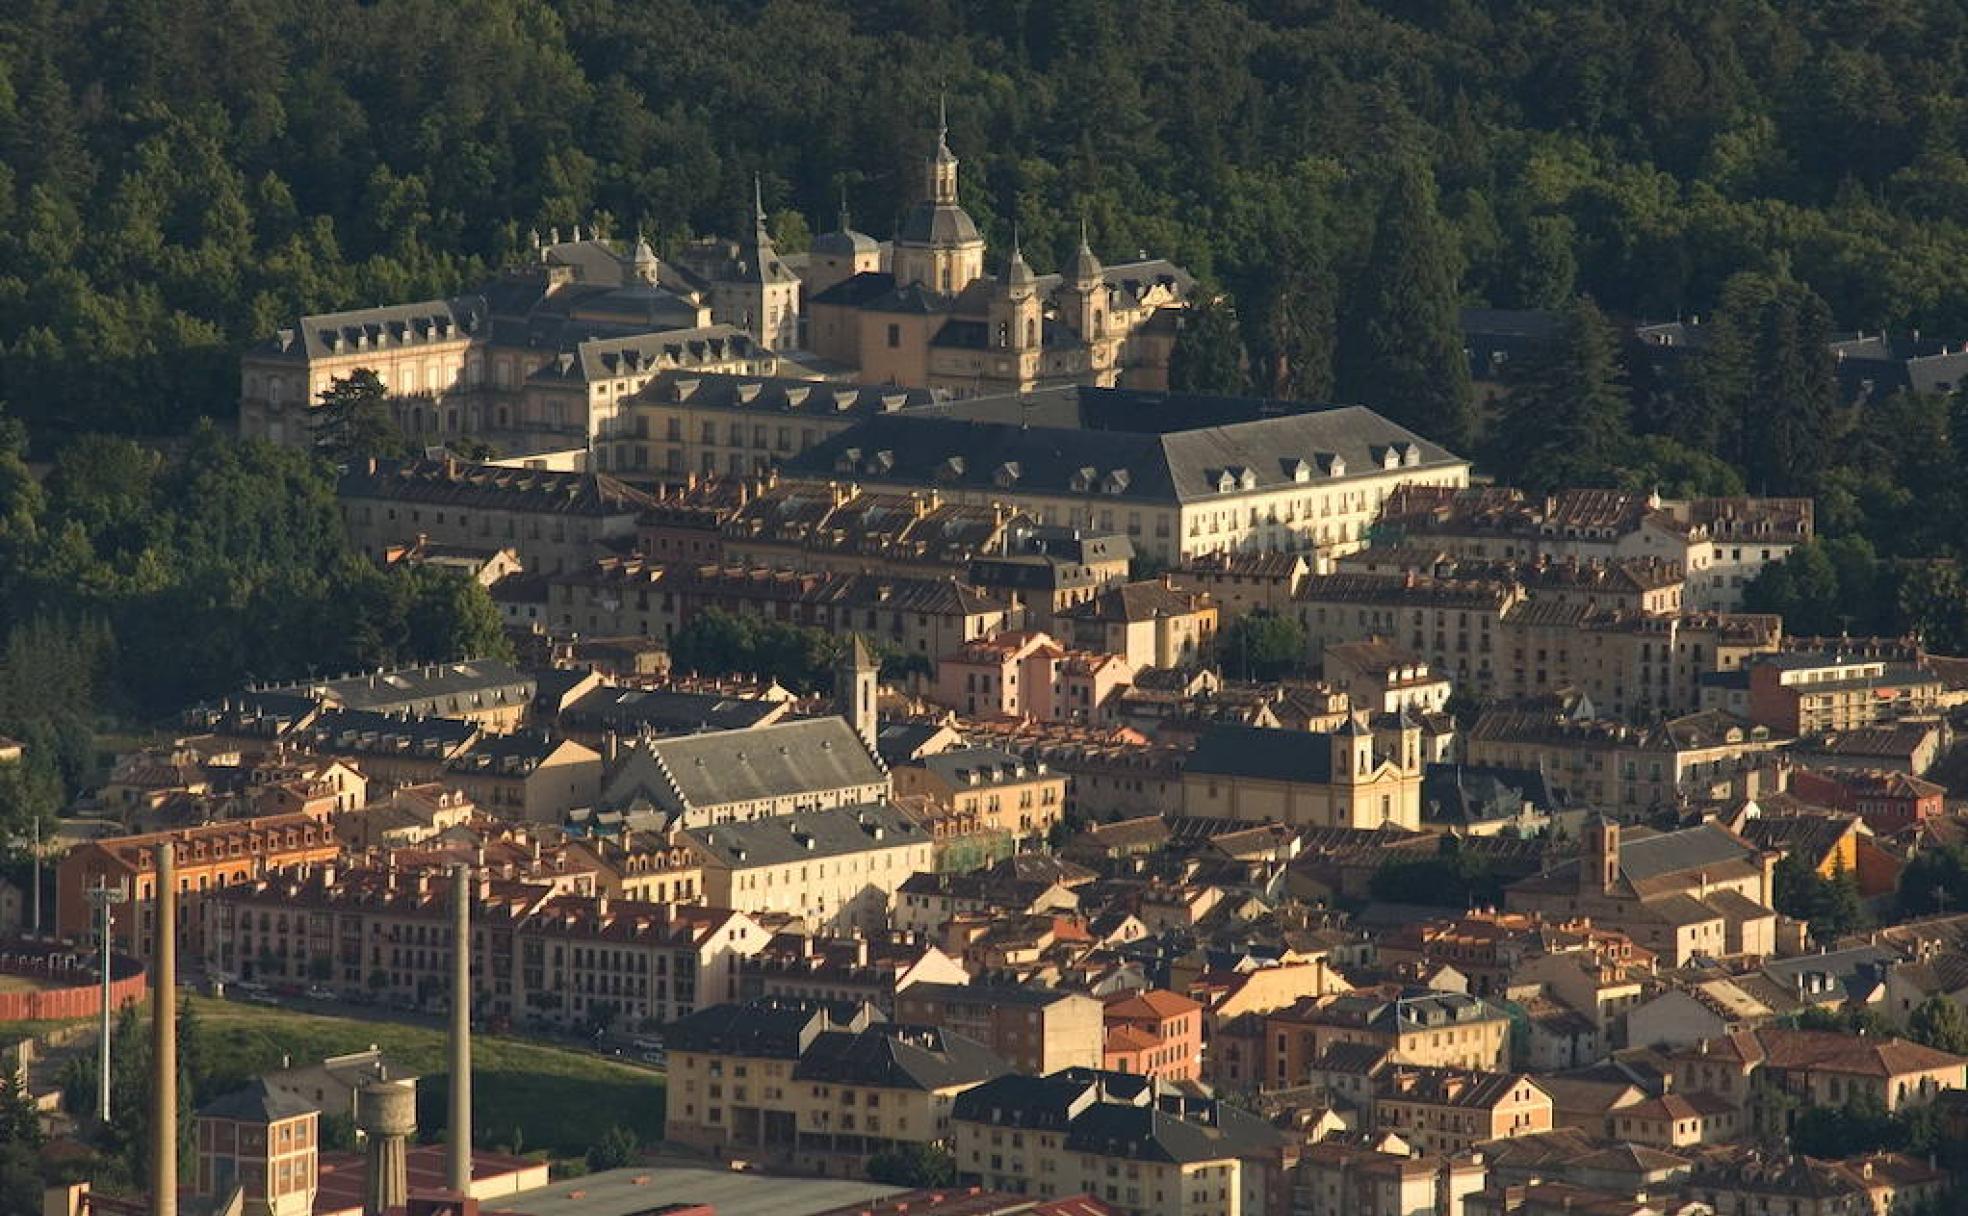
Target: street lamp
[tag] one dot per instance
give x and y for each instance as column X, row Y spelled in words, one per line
column 104, row 898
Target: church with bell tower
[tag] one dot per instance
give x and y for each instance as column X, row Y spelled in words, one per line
column 930, row 315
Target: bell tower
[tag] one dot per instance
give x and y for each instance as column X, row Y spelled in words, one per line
column 857, row 683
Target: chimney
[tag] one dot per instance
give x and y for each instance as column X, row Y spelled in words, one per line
column 164, row 1041
column 459, row 1132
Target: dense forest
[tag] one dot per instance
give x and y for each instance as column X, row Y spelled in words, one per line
column 177, row 178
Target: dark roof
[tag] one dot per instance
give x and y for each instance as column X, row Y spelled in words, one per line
column 930, row 223
column 898, row 1057
column 668, row 710
column 256, row 1102
column 772, row 761
column 834, row 832
column 1118, row 444
column 1264, row 753
column 773, row 1027
column 857, row 290
column 1474, row 793
column 491, row 487
column 989, row 994
column 1118, row 1115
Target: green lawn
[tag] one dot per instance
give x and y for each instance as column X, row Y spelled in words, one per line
column 556, row 1099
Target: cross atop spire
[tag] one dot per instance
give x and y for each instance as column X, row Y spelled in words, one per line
column 844, row 227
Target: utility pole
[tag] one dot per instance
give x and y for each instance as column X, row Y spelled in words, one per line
column 104, row 898
column 37, row 875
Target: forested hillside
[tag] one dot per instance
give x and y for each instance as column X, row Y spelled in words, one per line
column 177, row 177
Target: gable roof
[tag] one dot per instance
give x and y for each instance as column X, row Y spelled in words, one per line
column 256, row 1102
column 834, row 832
column 774, row 761
column 1263, row 753
column 1081, row 441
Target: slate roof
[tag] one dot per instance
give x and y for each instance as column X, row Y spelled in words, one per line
column 772, row 1027
column 666, row 710
column 1645, row 857
column 834, row 832
column 931, row 223
column 491, row 488
column 1118, row 1115
column 1092, row 449
column 1133, row 602
column 775, row 761
column 782, row 394
column 1263, row 753
column 256, row 1102
column 899, row 1057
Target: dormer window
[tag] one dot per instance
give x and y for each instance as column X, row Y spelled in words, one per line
column 1006, row 474
column 1301, row 470
column 1083, row 478
column 1116, row 481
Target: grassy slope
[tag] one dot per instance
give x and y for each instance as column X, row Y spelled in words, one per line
column 557, row 1099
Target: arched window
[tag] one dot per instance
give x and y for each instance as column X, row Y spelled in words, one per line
column 1031, row 331
column 1099, row 319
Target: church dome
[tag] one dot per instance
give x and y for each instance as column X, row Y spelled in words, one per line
column 930, row 223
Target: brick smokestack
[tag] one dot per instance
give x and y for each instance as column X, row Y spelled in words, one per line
column 164, row 1041
column 460, row 1131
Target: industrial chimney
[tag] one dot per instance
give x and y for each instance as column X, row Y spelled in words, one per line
column 461, row 1101
column 386, row 1111
column 164, row 1041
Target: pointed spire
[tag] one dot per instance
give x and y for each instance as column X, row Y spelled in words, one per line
column 758, row 200
column 1085, row 268
column 943, row 153
column 844, row 225
column 1018, row 272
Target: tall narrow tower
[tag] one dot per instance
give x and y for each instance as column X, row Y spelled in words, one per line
column 386, row 1111
column 164, row 1041
column 460, row 1131
column 857, row 682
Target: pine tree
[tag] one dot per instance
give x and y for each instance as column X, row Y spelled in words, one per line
column 1793, row 395
column 353, row 420
column 1209, row 350
column 1401, row 349
column 1567, row 418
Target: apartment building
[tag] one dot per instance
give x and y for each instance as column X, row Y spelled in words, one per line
column 534, row 776
column 1721, row 544
column 1805, row 693
column 1154, row 1033
column 1037, row 1030
column 209, row 859
column 631, row 597
column 540, row 953
column 1625, row 769
column 837, row 869
column 1181, row 475
column 718, row 422
column 554, row 521
column 1124, row 1139
column 1447, row 1111
column 985, row 790
column 1413, row 1026
column 1148, row 624
column 1822, row 1067
column 814, row 1086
